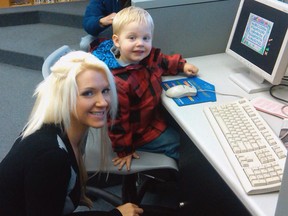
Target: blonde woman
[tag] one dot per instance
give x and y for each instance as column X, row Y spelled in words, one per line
column 43, row 174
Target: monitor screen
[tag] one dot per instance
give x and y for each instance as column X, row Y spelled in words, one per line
column 259, row 39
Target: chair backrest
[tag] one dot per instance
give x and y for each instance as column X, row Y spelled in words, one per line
column 52, row 58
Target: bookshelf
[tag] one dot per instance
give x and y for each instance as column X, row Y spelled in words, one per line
column 12, row 3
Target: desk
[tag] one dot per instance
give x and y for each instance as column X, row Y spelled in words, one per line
column 216, row 69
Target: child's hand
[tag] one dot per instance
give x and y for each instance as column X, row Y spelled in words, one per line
column 190, row 70
column 120, row 162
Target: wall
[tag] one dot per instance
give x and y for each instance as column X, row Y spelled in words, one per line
column 191, row 27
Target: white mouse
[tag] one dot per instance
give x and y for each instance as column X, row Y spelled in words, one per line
column 179, row 91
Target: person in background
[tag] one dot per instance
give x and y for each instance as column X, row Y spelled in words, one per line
column 98, row 18
column 137, row 68
column 43, row 174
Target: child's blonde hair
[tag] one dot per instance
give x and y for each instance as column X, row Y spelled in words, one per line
column 129, row 15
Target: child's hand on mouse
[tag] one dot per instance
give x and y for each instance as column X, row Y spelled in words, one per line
column 190, row 70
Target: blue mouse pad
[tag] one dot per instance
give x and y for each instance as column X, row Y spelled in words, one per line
column 201, row 85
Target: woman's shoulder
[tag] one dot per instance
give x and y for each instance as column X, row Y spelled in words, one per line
column 46, row 134
column 38, row 150
column 43, row 141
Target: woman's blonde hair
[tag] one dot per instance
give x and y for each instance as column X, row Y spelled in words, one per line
column 56, row 99
column 131, row 14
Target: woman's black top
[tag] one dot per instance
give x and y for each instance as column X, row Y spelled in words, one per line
column 40, row 177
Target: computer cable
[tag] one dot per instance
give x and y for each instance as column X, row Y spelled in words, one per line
column 274, row 88
column 220, row 93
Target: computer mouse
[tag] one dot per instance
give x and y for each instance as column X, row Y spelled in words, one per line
column 179, row 91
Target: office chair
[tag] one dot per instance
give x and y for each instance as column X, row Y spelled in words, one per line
column 146, row 166
column 148, row 162
column 52, row 58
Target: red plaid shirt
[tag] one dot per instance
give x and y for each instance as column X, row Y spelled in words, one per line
column 139, row 119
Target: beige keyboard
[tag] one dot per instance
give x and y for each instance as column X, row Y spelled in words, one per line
column 256, row 154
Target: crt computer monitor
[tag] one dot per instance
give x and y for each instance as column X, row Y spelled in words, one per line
column 259, row 39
